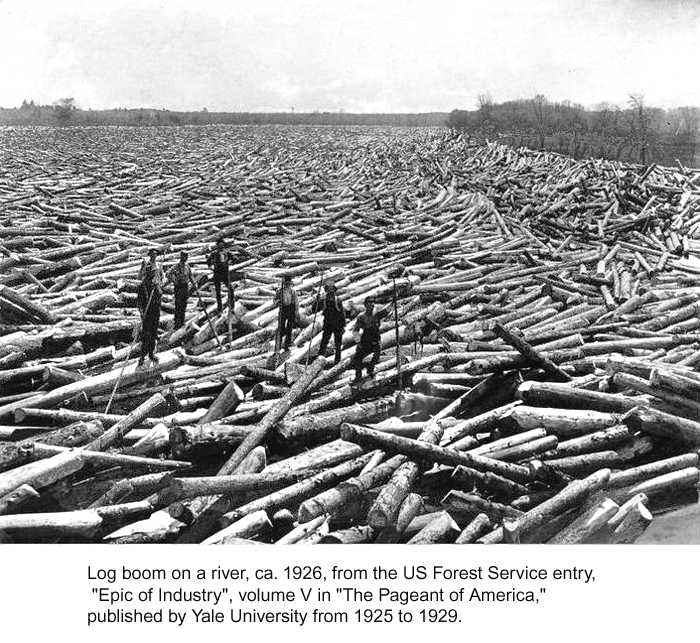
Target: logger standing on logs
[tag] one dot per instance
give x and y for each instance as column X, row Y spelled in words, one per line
column 180, row 274
column 286, row 299
column 333, row 322
column 218, row 261
column 369, row 341
column 148, row 299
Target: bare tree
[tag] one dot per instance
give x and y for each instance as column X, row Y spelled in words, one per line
column 484, row 104
column 539, row 112
column 639, row 124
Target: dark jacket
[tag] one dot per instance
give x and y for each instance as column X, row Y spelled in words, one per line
column 180, row 274
column 369, row 325
column 333, row 312
column 151, row 275
column 218, row 261
column 291, row 297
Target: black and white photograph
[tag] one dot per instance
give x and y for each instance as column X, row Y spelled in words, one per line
column 364, row 272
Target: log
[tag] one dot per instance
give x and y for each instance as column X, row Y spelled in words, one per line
column 479, row 526
column 117, row 431
column 302, row 531
column 351, row 536
column 673, row 481
column 14, row 500
column 655, row 422
column 96, row 384
column 633, row 525
column 326, row 425
column 248, row 527
column 594, row 283
column 139, row 485
column 441, row 529
column 431, row 453
column 549, row 394
column 587, row 524
column 40, row 450
column 273, row 416
column 531, row 355
column 295, row 494
column 488, row 484
column 473, row 504
column 42, row 473
column 619, row 479
column 564, row 423
column 571, row 496
column 226, row 402
column 348, row 493
column 69, row 524
column 24, row 303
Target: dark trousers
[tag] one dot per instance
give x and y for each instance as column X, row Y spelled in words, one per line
column 151, row 319
column 218, row 280
column 181, row 294
column 337, row 333
column 287, row 318
column 363, row 349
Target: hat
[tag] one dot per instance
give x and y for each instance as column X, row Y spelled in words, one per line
column 152, row 251
column 287, row 278
column 331, row 287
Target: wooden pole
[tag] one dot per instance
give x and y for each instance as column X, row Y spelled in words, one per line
column 206, row 313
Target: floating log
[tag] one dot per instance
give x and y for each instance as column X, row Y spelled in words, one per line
column 547, row 331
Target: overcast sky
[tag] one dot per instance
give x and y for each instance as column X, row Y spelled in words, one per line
column 356, row 55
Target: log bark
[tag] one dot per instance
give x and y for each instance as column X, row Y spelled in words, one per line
column 82, row 524
column 549, row 394
column 42, row 473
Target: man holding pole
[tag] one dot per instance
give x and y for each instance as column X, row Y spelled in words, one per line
column 286, row 299
column 148, row 299
column 218, row 261
column 333, row 322
column 180, row 275
column 367, row 324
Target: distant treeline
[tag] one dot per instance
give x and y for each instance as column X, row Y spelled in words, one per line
column 66, row 113
column 636, row 133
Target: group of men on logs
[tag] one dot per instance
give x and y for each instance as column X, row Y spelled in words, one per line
column 150, row 290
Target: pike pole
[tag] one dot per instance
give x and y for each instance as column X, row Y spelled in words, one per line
column 313, row 324
column 206, row 312
column 128, row 353
column 399, row 382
